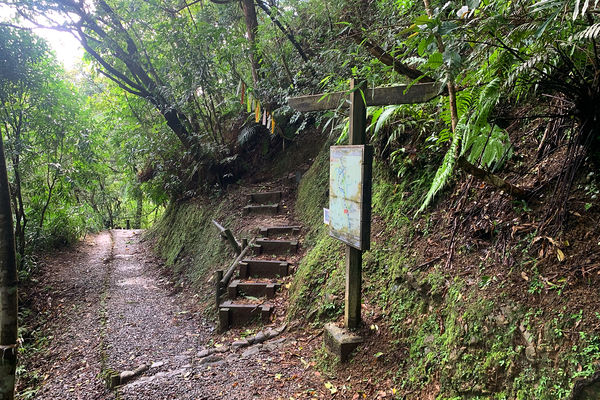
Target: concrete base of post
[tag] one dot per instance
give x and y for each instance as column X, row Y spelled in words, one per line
column 340, row 342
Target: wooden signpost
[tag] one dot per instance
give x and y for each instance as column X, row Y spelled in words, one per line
column 404, row 94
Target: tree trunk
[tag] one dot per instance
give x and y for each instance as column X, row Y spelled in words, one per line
column 387, row 59
column 174, row 121
column 8, row 288
column 51, row 184
column 251, row 28
column 20, row 217
column 137, row 222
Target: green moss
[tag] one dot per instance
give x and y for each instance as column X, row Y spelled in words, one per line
column 471, row 345
column 318, row 287
column 189, row 243
column 397, row 202
column 313, row 195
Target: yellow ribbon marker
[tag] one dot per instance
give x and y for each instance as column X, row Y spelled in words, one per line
column 257, row 113
column 273, row 126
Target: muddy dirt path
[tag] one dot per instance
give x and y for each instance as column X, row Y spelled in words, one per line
column 109, row 309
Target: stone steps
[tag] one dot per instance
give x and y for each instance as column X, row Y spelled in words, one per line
column 267, row 231
column 270, row 246
column 256, row 289
column 251, row 268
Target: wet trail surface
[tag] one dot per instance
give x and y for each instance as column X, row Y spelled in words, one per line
column 109, row 309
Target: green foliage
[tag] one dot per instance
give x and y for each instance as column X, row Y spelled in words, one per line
column 473, row 345
column 71, row 156
column 88, row 150
column 443, row 173
column 317, row 289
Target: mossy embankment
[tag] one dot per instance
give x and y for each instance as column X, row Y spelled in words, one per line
column 485, row 325
column 189, row 243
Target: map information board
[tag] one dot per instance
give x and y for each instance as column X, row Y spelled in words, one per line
column 350, row 194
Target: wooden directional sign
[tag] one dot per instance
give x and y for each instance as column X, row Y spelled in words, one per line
column 403, row 94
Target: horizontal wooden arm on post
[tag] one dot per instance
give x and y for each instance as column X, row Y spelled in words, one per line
column 492, row 179
column 226, row 234
column 402, row 94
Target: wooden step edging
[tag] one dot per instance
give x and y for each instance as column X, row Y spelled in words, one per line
column 261, row 209
column 236, row 314
column 265, row 197
column 263, row 268
column 255, row 289
column 222, row 279
column 276, row 246
column 267, row 231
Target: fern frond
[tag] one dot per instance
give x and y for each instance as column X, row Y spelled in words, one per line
column 374, row 113
column 249, row 132
column 387, row 113
column 544, row 5
column 592, row 32
column 443, row 173
column 530, row 67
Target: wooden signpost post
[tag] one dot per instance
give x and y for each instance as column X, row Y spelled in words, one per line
column 341, row 341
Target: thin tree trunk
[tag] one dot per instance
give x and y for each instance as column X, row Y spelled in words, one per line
column 8, row 288
column 20, row 217
column 51, row 184
column 137, row 223
column 286, row 32
column 451, row 84
column 251, row 28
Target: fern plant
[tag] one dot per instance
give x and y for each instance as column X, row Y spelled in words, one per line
column 474, row 137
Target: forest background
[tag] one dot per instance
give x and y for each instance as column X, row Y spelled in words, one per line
column 164, row 105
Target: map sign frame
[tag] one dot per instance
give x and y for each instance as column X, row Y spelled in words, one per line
column 350, row 174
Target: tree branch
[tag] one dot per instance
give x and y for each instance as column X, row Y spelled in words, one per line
column 386, row 58
column 493, row 179
column 120, row 84
column 288, row 34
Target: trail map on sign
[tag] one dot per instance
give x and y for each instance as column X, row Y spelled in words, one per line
column 346, row 194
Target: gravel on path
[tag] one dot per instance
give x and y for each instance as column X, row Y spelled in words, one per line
column 113, row 310
column 74, row 282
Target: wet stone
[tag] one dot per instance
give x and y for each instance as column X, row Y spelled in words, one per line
column 205, row 352
column 260, row 337
column 210, row 359
column 252, row 351
column 240, row 343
